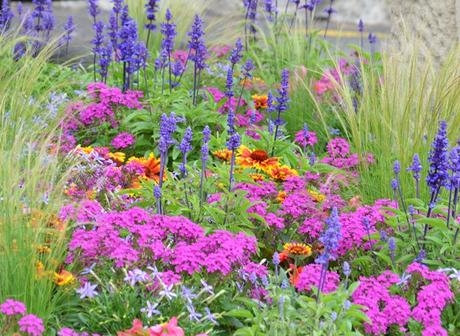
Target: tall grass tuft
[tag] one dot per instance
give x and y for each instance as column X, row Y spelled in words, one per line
column 31, row 180
column 398, row 113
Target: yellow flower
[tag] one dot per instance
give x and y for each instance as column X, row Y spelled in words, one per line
column 43, row 249
column 223, row 154
column 298, row 249
column 260, row 102
column 118, row 157
column 281, row 196
column 63, row 278
column 87, row 150
column 316, row 196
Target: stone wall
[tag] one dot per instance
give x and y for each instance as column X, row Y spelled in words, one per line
column 435, row 23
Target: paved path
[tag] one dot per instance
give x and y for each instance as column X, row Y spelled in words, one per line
column 340, row 33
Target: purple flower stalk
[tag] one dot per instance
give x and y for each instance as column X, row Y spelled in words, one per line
column 197, row 52
column 6, row 14
column 151, row 8
column 204, row 158
column 97, row 43
column 392, row 249
column 113, row 32
column 361, row 31
column 69, row 28
column 454, row 179
column 439, row 164
column 372, row 41
column 128, row 39
column 270, row 8
column 233, row 144
column 416, row 168
column 367, row 226
column 93, row 9
column 330, row 239
column 185, row 147
column 281, row 103
column 168, row 30
column 105, row 59
column 250, row 20
column 329, row 11
column 236, row 56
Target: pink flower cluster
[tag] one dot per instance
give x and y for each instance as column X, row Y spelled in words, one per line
column 71, row 332
column 123, row 140
column 339, row 154
column 385, row 309
column 29, row 324
column 12, row 307
column 433, row 296
column 305, row 139
column 310, row 275
column 299, row 208
column 332, row 78
column 103, row 108
column 136, row 237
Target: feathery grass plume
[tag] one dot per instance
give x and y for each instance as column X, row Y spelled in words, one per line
column 401, row 100
column 31, row 185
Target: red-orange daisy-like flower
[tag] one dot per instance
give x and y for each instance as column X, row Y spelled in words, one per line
column 297, row 249
column 281, row 173
column 260, row 102
column 257, row 159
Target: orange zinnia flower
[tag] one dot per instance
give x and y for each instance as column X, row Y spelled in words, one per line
column 152, row 168
column 295, row 273
column 223, row 154
column 281, row 196
column 297, row 249
column 257, row 159
column 63, row 278
column 260, row 102
column 257, row 177
column 280, row 173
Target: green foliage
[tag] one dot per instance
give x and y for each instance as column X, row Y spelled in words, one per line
column 32, row 176
column 292, row 313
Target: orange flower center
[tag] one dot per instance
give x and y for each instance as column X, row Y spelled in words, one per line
column 259, row 155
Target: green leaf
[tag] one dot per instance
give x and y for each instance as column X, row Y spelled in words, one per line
column 240, row 313
column 433, row 222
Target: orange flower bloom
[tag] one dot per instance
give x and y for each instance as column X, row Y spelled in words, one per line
column 281, row 196
column 297, row 249
column 152, row 168
column 295, row 273
column 280, row 173
column 257, row 159
column 63, row 278
column 223, row 154
column 283, row 256
column 257, row 177
column 260, row 102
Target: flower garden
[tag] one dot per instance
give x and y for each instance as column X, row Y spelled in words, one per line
column 258, row 182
